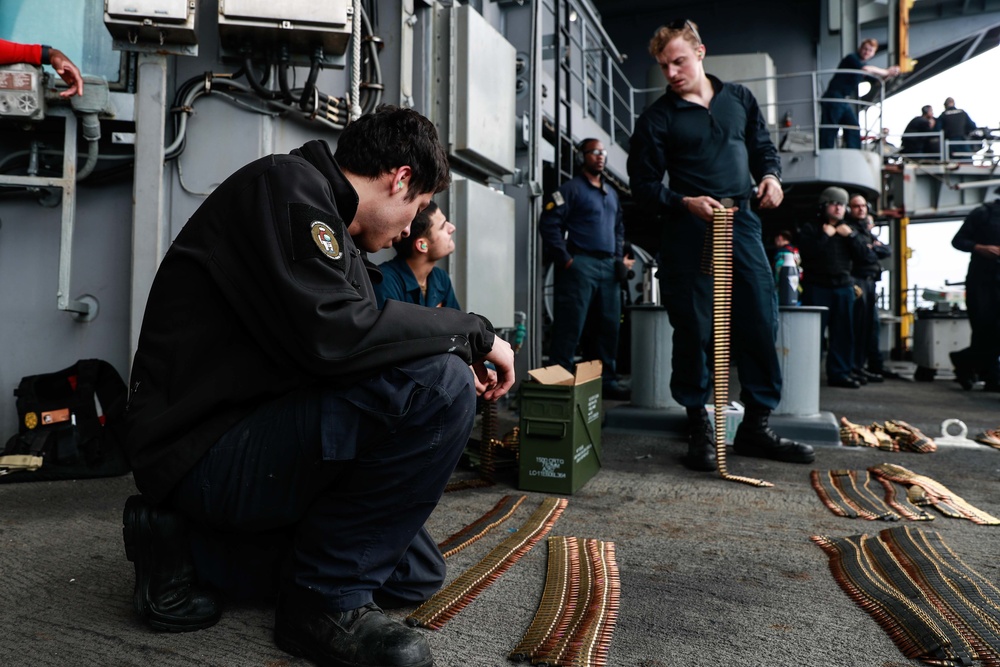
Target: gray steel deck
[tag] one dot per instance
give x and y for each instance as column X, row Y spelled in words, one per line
column 712, row 572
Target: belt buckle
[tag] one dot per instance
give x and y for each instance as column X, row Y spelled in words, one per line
column 727, row 202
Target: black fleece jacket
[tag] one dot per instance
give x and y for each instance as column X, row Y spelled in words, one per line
column 827, row 260
column 706, row 151
column 263, row 292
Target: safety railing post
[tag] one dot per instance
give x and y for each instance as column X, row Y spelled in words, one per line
column 610, row 86
column 815, row 113
column 584, row 65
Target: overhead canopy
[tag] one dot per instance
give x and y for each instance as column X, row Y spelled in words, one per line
column 946, row 57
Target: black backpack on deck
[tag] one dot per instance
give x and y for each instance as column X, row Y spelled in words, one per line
column 67, row 425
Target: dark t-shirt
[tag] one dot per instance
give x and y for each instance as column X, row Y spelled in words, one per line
column 925, row 144
column 845, row 84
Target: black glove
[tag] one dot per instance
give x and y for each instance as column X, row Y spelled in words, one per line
column 621, row 271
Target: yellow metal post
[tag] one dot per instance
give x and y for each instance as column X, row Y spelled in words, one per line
column 905, row 316
column 905, row 62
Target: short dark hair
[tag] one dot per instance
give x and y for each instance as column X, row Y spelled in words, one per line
column 419, row 228
column 391, row 137
column 785, row 233
column 926, row 108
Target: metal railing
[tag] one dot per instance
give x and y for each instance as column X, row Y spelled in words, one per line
column 610, row 99
column 806, row 137
column 608, row 96
column 980, row 148
column 922, row 297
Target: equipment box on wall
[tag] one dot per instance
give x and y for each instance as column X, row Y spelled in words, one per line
column 560, row 428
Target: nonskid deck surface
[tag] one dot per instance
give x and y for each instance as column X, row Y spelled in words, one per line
column 711, row 572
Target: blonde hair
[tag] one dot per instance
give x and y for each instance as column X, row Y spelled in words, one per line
column 664, row 35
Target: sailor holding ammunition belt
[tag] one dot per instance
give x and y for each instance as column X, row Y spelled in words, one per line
column 711, row 139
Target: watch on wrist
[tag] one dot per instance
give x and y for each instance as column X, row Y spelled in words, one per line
column 774, row 176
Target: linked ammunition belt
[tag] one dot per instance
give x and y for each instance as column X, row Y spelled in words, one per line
column 721, row 270
column 900, row 503
column 990, row 437
column 846, row 493
column 893, row 435
column 457, row 595
column 924, row 490
column 933, row 606
column 576, row 617
column 462, row 484
column 487, row 441
column 484, row 524
column 489, row 444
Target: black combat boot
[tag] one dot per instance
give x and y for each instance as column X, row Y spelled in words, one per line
column 362, row 637
column 755, row 438
column 964, row 373
column 991, row 376
column 166, row 585
column 701, row 442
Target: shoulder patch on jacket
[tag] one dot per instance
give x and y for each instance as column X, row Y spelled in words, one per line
column 557, row 198
column 316, row 234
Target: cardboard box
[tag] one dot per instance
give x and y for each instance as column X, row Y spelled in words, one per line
column 560, row 428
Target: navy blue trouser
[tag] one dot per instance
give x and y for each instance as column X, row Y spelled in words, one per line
column 866, row 344
column 687, row 294
column 337, row 483
column 838, row 319
column 589, row 281
column 840, row 114
column 983, row 301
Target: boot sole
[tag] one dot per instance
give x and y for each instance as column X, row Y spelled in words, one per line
column 698, row 468
column 293, row 647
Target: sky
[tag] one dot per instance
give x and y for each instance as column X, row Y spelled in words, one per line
column 973, row 85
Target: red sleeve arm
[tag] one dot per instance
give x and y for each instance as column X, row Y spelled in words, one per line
column 12, row 52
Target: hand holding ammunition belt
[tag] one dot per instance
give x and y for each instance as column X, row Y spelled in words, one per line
column 721, row 270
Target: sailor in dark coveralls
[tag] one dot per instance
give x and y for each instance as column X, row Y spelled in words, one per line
column 277, row 414
column 866, row 273
column 710, row 138
column 980, row 236
column 830, row 246
column 583, row 232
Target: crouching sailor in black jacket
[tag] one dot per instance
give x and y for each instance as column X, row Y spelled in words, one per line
column 288, row 437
